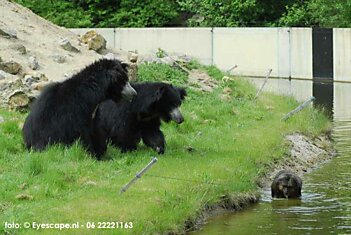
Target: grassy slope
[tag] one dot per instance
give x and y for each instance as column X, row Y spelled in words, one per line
column 233, row 141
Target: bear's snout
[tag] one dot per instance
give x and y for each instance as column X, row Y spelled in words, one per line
column 128, row 92
column 177, row 116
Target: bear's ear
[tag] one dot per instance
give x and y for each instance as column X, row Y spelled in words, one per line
column 182, row 93
column 159, row 93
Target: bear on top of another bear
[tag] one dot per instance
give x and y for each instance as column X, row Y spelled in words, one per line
column 70, row 110
column 126, row 123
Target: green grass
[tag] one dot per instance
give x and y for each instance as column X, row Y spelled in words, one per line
column 233, row 142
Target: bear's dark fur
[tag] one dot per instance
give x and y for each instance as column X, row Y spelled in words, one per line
column 286, row 185
column 63, row 112
column 126, row 123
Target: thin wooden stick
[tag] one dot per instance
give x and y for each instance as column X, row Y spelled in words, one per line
column 299, row 108
column 264, row 83
column 176, row 62
column 232, row 68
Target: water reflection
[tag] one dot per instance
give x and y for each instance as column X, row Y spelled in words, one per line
column 324, row 93
column 325, row 206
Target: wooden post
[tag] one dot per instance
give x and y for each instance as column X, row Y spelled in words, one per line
column 232, row 68
column 264, row 83
column 179, row 65
column 299, row 108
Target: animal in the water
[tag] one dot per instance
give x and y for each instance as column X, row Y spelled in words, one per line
column 286, row 184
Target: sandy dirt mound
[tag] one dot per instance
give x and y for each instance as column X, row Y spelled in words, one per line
column 33, row 51
column 41, row 39
column 306, row 154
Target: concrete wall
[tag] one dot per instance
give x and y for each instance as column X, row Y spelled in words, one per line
column 196, row 42
column 301, row 52
column 342, row 54
column 254, row 50
column 342, row 97
column 288, row 51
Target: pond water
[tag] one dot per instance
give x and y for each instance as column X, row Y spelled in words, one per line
column 325, row 206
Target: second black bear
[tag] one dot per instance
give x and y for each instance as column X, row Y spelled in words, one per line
column 286, row 185
column 64, row 111
column 126, row 123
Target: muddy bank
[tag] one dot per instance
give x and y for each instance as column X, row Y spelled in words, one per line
column 306, row 154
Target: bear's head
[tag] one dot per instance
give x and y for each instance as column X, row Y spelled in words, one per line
column 159, row 100
column 119, row 86
column 287, row 185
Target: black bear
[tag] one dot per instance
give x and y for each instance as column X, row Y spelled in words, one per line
column 286, row 185
column 64, row 111
column 126, row 123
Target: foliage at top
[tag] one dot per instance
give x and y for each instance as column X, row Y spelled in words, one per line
column 105, row 13
column 230, row 13
column 193, row 13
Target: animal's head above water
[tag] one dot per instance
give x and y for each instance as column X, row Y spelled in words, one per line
column 286, row 185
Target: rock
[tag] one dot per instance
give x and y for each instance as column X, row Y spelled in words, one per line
column 32, row 95
column 2, row 76
column 167, row 60
column 184, row 59
column 226, row 79
column 268, row 107
column 206, row 121
column 94, row 40
column 133, row 72
column 8, row 33
column 67, row 75
column 103, row 51
column 40, row 76
column 97, row 43
column 65, row 44
column 1, row 119
column 11, row 67
column 23, row 186
column 33, row 63
column 24, row 196
column 90, row 183
column 234, row 111
column 4, row 85
column 40, row 85
column 227, row 90
column 133, row 57
column 206, row 89
column 19, row 48
column 18, row 100
column 28, row 80
column 109, row 56
column 87, row 36
column 145, row 59
column 202, row 80
column 59, row 58
column 225, row 97
column 193, row 115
